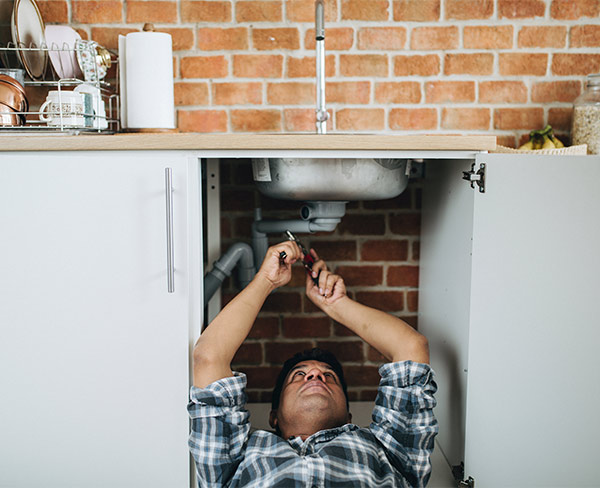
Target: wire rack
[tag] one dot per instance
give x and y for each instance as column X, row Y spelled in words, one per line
column 101, row 116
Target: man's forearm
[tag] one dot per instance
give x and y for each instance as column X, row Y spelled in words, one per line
column 391, row 336
column 218, row 344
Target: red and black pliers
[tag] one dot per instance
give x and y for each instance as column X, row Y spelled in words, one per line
column 307, row 259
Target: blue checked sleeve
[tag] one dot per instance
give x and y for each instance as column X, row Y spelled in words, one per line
column 403, row 419
column 219, row 429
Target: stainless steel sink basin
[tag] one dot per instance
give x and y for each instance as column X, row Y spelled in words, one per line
column 309, row 179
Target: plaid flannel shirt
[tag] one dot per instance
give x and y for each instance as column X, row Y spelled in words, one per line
column 394, row 451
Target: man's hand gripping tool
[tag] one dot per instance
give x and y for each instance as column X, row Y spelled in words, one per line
column 307, row 259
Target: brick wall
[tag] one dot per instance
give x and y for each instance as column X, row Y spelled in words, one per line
column 499, row 67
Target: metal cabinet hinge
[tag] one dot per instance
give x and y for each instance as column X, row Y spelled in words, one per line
column 458, row 472
column 476, row 176
column 468, row 483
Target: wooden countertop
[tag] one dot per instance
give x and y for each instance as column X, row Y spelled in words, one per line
column 192, row 141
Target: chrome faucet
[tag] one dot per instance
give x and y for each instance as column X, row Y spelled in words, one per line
column 321, row 111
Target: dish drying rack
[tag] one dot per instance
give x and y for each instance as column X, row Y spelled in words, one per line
column 96, row 122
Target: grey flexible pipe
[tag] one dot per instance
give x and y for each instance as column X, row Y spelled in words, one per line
column 240, row 255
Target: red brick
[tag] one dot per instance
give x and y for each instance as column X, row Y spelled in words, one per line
column 203, row 67
column 264, row 327
column 235, row 199
column 151, row 11
column 412, row 301
column 304, row 11
column 555, row 91
column 471, row 64
column 365, row 9
column 384, row 250
column 261, row 376
column 362, row 224
column 275, row 38
column 258, row 11
column 279, row 352
column 361, row 275
column 466, row 118
column 348, row 92
column 363, row 65
column 434, row 38
column 191, row 94
column 344, row 350
column 336, row 39
column 97, row 11
column 585, row 36
column 374, row 355
column 413, row 119
column 371, row 119
column 542, row 36
column 403, row 276
column 416, row 251
column 341, row 331
column 302, row 120
column 54, row 11
column 338, row 250
column 518, row 118
column 282, row 301
column 109, row 36
column 257, row 65
column 518, row 9
column 383, row 38
column 290, row 93
column 425, row 65
column 449, row 91
column 416, row 11
column 237, row 93
column 217, row 39
column 304, row 327
column 306, row 67
column 574, row 9
column 488, row 37
column 566, row 64
column 398, row 92
column 388, row 301
column 204, row 11
column 560, row 119
column 405, row 224
column 183, row 39
column 516, row 64
column 469, row 9
column 256, row 120
column 202, row 120
column 249, row 353
column 502, row 92
column 362, row 375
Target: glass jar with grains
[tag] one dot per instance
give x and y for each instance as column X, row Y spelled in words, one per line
column 586, row 116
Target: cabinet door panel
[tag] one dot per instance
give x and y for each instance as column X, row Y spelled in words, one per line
column 94, row 351
column 532, row 396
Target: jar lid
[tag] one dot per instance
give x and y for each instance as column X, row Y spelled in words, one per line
column 593, row 80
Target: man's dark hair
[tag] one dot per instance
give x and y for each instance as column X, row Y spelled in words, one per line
column 314, row 354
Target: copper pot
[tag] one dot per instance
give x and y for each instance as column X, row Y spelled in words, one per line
column 12, row 95
column 9, row 117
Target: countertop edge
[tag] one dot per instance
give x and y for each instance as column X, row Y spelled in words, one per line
column 194, row 141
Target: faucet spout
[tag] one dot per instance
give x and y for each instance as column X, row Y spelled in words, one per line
column 321, row 111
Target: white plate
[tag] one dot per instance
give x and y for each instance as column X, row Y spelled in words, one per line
column 28, row 32
column 61, row 41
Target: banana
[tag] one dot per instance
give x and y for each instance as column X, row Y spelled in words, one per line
column 557, row 142
column 528, row 146
column 548, row 144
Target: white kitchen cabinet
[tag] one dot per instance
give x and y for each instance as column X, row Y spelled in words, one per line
column 94, row 350
column 509, row 294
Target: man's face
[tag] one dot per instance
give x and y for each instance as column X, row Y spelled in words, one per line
column 312, row 394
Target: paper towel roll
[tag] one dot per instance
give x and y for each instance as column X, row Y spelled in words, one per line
column 146, row 64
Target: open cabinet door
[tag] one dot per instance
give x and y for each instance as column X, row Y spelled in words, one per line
column 532, row 394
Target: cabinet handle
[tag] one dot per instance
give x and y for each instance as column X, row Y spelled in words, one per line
column 170, row 250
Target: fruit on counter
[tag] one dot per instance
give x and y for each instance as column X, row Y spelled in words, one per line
column 542, row 139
